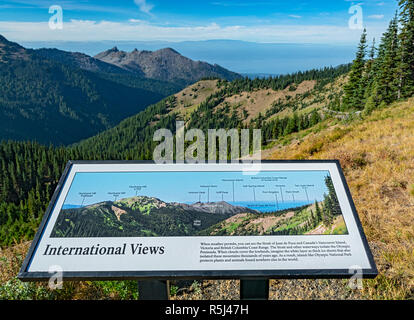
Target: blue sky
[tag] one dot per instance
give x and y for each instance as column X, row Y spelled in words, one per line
column 180, row 187
column 295, row 21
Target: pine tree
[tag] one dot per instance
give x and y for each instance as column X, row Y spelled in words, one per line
column 406, row 81
column 387, row 65
column 371, row 103
column 371, row 71
column 327, row 211
column 318, row 212
column 314, row 118
column 334, row 202
column 292, row 124
column 369, row 67
column 355, row 89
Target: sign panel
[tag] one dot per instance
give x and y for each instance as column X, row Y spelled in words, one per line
column 127, row 220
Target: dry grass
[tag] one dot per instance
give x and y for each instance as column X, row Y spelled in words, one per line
column 11, row 260
column 259, row 101
column 190, row 98
column 377, row 155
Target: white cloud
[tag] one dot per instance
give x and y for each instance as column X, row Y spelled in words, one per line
column 136, row 21
column 136, row 30
column 376, row 16
column 144, row 6
column 295, row 16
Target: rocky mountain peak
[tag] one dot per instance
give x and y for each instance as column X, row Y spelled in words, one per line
column 169, row 51
column 165, row 64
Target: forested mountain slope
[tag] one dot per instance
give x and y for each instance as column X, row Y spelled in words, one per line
column 210, row 104
column 60, row 103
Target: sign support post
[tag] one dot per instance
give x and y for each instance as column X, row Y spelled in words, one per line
column 254, row 289
column 154, row 290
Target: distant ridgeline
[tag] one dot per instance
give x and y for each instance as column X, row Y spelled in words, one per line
column 64, row 100
column 59, row 97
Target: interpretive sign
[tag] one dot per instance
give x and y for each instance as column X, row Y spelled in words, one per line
column 141, row 220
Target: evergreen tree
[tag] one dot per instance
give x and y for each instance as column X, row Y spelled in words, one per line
column 292, row 124
column 318, row 212
column 355, row 89
column 327, row 216
column 369, row 67
column 334, row 202
column 406, row 81
column 371, row 103
column 387, row 70
column 315, row 118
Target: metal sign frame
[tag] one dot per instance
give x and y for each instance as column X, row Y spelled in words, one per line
column 25, row 275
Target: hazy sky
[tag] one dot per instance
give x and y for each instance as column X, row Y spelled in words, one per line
column 295, row 21
column 180, row 187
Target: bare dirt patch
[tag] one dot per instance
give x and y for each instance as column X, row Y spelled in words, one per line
column 265, row 223
column 259, row 101
column 190, row 98
column 118, row 212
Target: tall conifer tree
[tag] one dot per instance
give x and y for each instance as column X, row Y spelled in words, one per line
column 387, row 70
column 355, row 89
column 406, row 81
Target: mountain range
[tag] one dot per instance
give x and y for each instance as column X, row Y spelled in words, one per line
column 142, row 216
column 239, row 56
column 59, row 97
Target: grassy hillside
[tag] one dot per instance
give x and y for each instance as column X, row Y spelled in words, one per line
column 290, row 102
column 292, row 222
column 377, row 155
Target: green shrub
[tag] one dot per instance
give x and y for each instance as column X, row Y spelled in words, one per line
column 123, row 290
column 15, row 289
column 173, row 290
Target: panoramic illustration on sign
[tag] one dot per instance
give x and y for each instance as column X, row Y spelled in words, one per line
column 175, row 204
